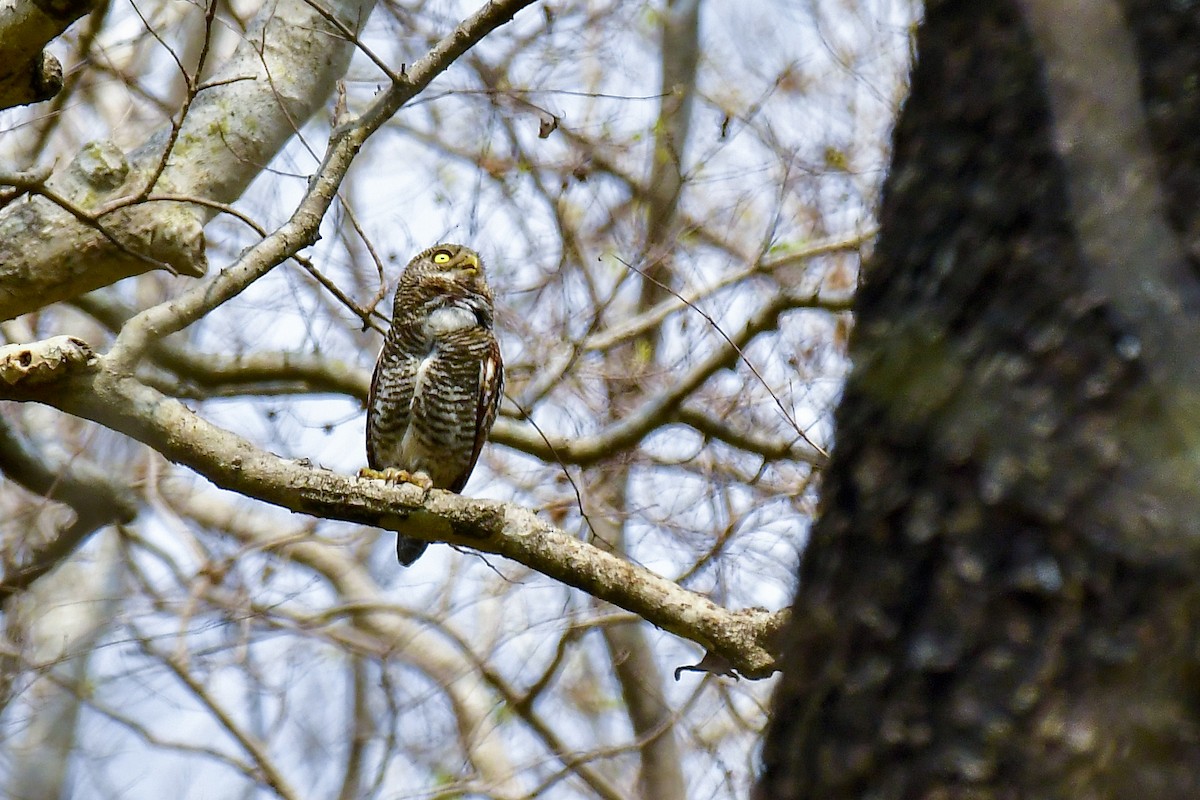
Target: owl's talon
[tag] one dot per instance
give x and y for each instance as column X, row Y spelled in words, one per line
column 393, row 475
column 418, row 478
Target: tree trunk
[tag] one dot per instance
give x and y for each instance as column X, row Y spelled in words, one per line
column 1000, row 598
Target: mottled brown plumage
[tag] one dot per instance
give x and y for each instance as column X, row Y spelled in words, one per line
column 439, row 379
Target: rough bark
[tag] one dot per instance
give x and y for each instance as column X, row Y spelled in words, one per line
column 999, row 599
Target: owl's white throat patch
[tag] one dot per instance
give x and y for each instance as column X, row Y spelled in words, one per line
column 447, row 319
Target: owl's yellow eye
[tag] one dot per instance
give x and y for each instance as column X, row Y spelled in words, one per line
column 441, row 256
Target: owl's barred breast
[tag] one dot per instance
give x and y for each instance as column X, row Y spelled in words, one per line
column 425, row 417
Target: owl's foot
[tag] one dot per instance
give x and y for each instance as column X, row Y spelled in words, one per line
column 393, row 475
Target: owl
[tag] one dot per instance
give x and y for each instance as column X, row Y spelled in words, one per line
column 439, row 378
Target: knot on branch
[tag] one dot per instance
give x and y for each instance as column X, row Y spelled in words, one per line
column 45, row 361
column 99, row 165
column 36, row 81
column 46, row 78
column 172, row 233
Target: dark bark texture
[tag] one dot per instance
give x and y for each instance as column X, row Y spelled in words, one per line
column 968, row 624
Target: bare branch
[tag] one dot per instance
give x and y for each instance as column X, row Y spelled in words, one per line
column 392, row 633
column 654, row 316
column 95, row 499
column 770, row 448
column 257, row 100
column 654, row 411
column 264, row 765
column 361, row 729
column 93, row 391
column 301, row 229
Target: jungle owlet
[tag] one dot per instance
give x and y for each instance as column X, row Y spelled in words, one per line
column 439, row 379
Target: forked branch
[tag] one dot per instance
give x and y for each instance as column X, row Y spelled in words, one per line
column 65, row 374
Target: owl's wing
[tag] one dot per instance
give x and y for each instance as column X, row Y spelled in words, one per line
column 491, row 390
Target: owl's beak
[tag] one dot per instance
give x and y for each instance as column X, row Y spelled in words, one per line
column 471, row 262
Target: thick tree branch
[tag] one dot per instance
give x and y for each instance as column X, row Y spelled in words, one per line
column 281, row 73
column 28, row 74
column 66, row 375
column 1091, row 71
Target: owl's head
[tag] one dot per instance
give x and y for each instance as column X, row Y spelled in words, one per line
column 447, row 269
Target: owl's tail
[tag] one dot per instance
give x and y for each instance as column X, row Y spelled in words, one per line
column 409, row 550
